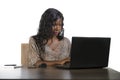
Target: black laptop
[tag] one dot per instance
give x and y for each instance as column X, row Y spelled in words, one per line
column 88, row 52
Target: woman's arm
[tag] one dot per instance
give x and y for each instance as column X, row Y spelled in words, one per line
column 52, row 63
column 33, row 56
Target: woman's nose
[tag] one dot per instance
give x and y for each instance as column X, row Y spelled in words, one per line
column 57, row 27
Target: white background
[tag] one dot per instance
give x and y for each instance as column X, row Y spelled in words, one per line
column 19, row 19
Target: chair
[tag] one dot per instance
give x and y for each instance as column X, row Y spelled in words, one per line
column 24, row 54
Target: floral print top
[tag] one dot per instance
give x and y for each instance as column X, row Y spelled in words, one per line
column 62, row 51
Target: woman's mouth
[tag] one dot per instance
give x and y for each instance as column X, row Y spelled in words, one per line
column 56, row 32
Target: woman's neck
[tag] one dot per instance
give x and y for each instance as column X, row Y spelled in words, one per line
column 54, row 38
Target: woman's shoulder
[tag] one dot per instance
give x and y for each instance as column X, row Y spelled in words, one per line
column 66, row 40
column 31, row 39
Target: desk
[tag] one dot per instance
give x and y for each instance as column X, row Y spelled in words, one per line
column 61, row 74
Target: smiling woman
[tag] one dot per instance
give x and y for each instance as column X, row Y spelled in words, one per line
column 49, row 45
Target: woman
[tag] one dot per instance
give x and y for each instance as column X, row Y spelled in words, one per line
column 49, row 45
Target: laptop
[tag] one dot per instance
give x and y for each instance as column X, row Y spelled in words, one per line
column 88, row 52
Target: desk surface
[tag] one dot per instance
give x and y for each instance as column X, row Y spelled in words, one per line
column 54, row 73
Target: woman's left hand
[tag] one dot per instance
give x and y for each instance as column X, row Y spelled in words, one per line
column 64, row 61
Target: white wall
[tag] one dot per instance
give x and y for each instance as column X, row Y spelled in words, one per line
column 19, row 19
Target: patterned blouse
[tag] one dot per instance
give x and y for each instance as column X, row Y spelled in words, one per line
column 62, row 51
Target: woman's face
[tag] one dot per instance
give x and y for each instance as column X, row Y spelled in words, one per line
column 57, row 27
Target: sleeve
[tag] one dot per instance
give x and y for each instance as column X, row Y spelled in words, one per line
column 61, row 52
column 33, row 56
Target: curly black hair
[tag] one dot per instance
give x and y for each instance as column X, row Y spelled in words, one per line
column 45, row 27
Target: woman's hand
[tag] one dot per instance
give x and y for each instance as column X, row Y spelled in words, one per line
column 64, row 61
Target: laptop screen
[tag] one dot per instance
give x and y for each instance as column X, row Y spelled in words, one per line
column 88, row 52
